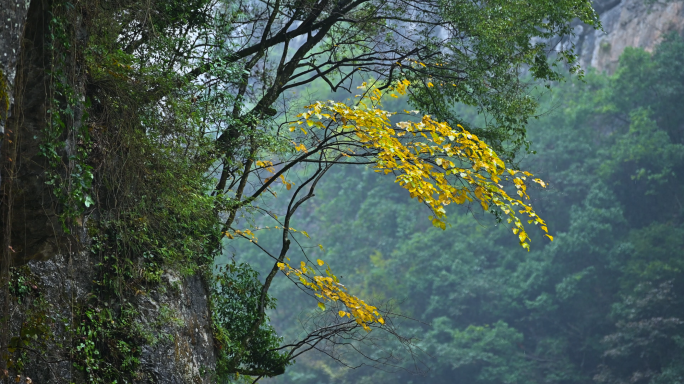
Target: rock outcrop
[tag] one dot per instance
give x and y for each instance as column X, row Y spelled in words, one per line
column 50, row 311
column 178, row 345
column 626, row 23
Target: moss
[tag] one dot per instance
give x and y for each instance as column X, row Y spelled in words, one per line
column 33, row 326
column 4, row 94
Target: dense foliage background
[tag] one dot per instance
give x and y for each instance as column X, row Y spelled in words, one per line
column 602, row 303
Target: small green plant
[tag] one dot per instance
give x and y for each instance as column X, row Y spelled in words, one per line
column 34, row 319
column 104, row 346
column 247, row 344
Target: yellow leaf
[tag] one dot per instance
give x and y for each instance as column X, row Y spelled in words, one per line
column 320, row 262
column 321, row 306
column 301, row 147
column 412, row 161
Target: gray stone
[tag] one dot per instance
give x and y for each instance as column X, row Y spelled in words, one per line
column 627, row 23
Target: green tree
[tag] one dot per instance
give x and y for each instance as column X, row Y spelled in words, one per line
column 601, row 303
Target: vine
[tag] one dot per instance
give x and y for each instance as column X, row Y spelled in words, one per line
column 69, row 176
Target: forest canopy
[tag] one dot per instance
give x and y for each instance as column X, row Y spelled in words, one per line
column 602, row 303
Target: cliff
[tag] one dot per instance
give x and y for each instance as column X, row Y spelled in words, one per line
column 69, row 313
column 626, row 23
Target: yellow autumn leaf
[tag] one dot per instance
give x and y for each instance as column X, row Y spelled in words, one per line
column 300, row 147
column 412, row 161
column 328, row 288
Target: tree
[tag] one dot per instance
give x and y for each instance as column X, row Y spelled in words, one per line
column 473, row 51
column 601, row 303
column 461, row 52
column 169, row 121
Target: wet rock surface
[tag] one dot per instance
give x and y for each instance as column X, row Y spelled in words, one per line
column 185, row 351
column 178, row 347
column 626, row 23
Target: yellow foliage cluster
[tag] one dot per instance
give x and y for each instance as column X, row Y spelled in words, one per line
column 328, row 288
column 436, row 163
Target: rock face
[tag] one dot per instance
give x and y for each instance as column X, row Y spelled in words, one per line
column 12, row 16
column 627, row 23
column 174, row 318
column 185, row 353
column 52, row 310
column 29, row 215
